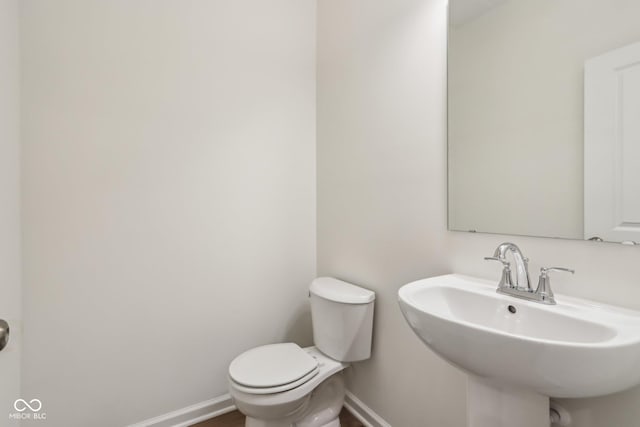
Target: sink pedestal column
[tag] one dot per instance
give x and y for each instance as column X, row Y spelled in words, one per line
column 495, row 405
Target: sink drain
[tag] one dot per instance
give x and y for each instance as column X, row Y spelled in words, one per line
column 512, row 309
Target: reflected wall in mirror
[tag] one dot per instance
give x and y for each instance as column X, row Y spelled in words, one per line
column 544, row 118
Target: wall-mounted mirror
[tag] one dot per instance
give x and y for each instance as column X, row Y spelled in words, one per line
column 544, row 118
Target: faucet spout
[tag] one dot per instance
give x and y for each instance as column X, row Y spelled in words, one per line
column 522, row 282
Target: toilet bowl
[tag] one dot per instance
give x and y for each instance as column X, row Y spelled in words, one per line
column 312, row 401
column 284, row 385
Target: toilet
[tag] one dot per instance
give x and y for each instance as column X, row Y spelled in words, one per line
column 284, row 385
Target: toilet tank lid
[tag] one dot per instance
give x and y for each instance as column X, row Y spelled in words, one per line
column 339, row 291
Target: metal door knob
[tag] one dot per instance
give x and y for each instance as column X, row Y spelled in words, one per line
column 4, row 334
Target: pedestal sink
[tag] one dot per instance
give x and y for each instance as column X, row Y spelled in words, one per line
column 519, row 353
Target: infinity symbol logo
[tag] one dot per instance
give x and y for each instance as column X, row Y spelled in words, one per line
column 21, row 405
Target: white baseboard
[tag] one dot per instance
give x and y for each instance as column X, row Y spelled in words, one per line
column 206, row 410
column 362, row 412
column 191, row 414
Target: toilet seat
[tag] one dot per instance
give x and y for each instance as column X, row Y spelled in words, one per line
column 277, row 389
column 272, row 368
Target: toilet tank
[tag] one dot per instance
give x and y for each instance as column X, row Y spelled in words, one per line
column 342, row 317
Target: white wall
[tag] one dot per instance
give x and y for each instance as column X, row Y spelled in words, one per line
column 516, row 112
column 381, row 189
column 169, row 197
column 382, row 207
column 10, row 307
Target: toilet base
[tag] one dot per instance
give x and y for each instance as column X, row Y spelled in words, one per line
column 322, row 409
column 252, row 422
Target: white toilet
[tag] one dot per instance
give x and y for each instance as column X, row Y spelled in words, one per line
column 284, row 385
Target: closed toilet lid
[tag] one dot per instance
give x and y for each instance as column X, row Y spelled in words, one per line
column 272, row 366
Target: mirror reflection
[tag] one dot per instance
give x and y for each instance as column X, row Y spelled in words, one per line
column 544, row 118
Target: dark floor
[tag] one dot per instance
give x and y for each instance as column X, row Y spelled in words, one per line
column 236, row 419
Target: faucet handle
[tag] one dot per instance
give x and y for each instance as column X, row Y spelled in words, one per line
column 546, row 270
column 544, row 292
column 505, row 280
column 504, row 262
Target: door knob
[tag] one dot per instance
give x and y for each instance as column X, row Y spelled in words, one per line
column 4, row 334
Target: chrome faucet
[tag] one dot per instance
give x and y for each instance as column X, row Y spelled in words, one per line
column 522, row 265
column 521, row 288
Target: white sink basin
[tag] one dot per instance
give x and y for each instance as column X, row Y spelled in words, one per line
column 576, row 348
